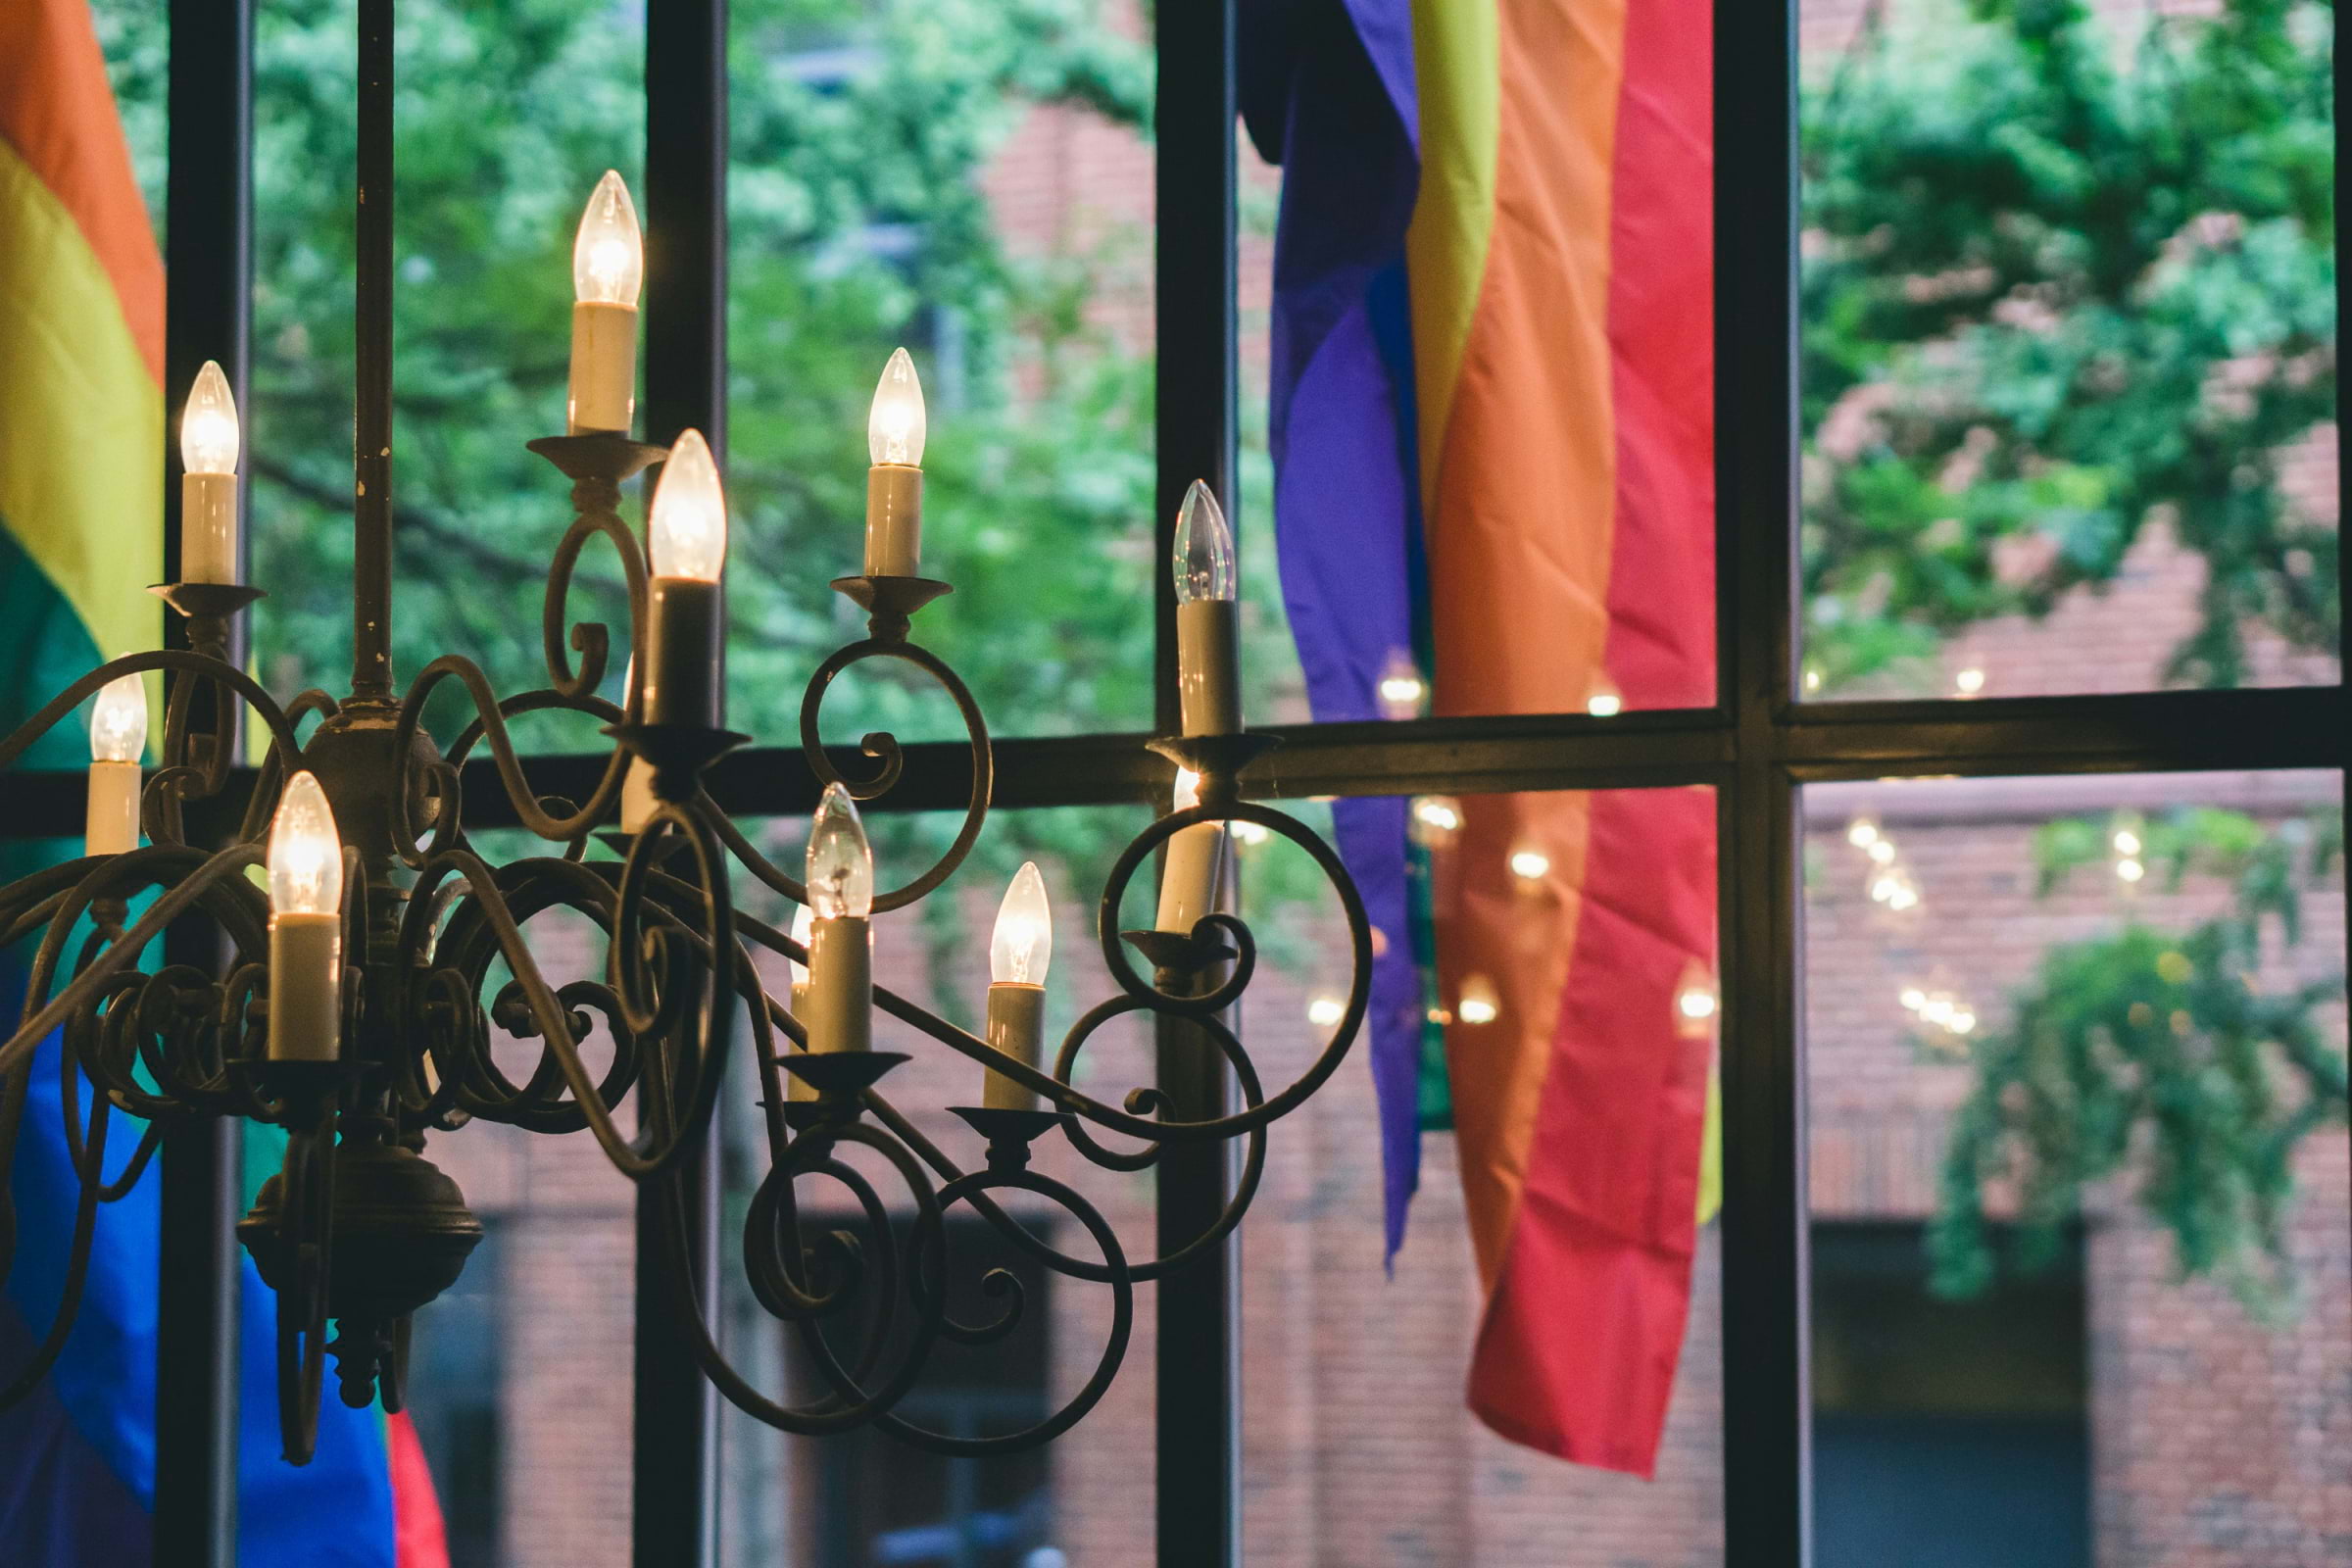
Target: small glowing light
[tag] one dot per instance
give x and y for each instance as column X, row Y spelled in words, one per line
column 1477, row 1003
column 2126, row 842
column 1204, row 563
column 897, row 426
column 1022, row 943
column 1962, row 1021
column 1913, row 999
column 1968, row 681
column 1250, row 835
column 687, row 528
column 1401, row 687
column 1883, row 888
column 208, row 427
column 305, row 854
column 1882, row 851
column 1324, row 1011
column 118, row 720
column 1812, row 681
column 2130, row 869
column 608, row 256
column 1530, row 865
column 1604, row 704
column 1903, row 897
column 1938, row 1009
column 1437, row 812
column 1862, row 832
column 1439, row 1017
column 1696, row 1002
column 841, row 863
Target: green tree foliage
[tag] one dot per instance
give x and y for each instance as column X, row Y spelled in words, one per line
column 2061, row 280
column 2158, row 1059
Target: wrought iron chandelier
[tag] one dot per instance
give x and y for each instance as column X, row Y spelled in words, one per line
column 358, row 1010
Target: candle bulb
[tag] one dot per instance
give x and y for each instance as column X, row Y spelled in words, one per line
column 118, row 738
column 803, row 925
column 208, row 490
column 1018, row 952
column 687, row 550
column 841, row 955
column 305, row 926
column 607, row 270
column 1205, row 628
column 1194, row 876
column 894, row 485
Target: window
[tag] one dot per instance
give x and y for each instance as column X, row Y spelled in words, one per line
column 1893, row 532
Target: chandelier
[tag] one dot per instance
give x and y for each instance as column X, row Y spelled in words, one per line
column 358, row 1008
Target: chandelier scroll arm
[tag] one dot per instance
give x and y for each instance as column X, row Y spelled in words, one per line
column 590, row 639
column 488, row 713
column 65, row 701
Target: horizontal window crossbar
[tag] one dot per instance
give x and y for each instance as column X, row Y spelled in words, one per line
column 2138, row 732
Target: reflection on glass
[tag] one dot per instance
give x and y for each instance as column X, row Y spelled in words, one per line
column 2080, row 1187
column 2068, row 377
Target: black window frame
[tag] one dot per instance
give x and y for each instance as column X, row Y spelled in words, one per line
column 1755, row 746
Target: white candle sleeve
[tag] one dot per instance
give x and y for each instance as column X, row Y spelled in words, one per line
column 894, row 520
column 603, row 366
column 208, row 527
column 306, row 987
column 1208, row 684
column 637, row 800
column 841, row 985
column 111, row 824
column 795, row 1086
column 1016, row 1026
column 1188, row 882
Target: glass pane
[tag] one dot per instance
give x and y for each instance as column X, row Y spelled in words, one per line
column 2069, row 348
column 520, row 1385
column 972, row 183
column 1477, row 425
column 2079, row 1198
column 847, row 1501
column 1358, row 1444
column 489, row 192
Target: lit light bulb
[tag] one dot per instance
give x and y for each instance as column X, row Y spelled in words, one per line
column 1696, row 1002
column 1204, row 564
column 1439, row 813
column 1478, row 1003
column 688, row 526
column 841, row 863
column 1862, row 832
column 608, row 258
column 1968, row 681
column 1962, row 1021
column 1913, row 999
column 208, row 427
column 1530, row 865
column 1022, row 943
column 1324, row 1011
column 2129, row 871
column 305, row 854
column 2126, row 842
column 804, row 922
column 896, row 427
column 1882, row 851
column 1604, row 703
column 1401, row 687
column 118, row 720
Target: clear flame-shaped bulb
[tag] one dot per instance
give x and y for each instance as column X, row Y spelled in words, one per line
column 118, row 720
column 1204, row 566
column 305, row 854
column 803, row 926
column 895, row 429
column 608, row 259
column 841, row 863
column 688, row 528
column 1022, row 943
column 208, row 427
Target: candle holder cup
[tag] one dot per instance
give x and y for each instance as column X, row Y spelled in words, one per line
column 1008, row 1132
column 840, row 1078
column 890, row 603
column 1219, row 759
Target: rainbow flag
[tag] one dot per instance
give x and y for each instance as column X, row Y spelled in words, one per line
column 1493, row 431
column 81, row 469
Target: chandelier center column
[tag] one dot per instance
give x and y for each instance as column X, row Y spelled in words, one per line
column 372, row 317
